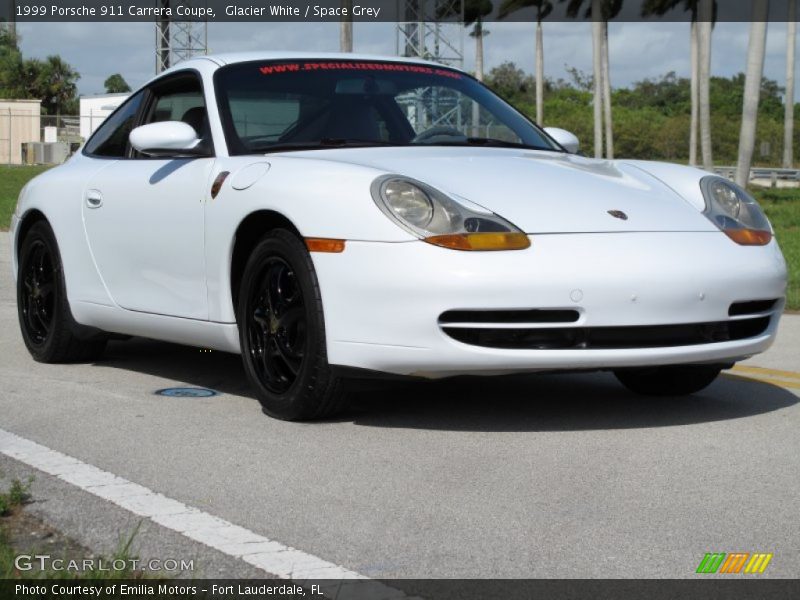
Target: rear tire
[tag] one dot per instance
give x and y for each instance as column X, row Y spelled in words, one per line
column 48, row 329
column 669, row 380
column 282, row 332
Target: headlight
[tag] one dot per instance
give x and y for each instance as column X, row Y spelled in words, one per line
column 735, row 212
column 408, row 202
column 440, row 220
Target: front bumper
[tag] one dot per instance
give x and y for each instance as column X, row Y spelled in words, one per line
column 383, row 301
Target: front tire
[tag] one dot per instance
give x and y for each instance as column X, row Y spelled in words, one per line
column 670, row 380
column 282, row 332
column 48, row 329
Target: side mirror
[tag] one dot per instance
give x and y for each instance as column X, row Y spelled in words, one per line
column 568, row 140
column 167, row 139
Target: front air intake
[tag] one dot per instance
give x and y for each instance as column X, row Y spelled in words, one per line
column 532, row 315
column 607, row 338
column 751, row 307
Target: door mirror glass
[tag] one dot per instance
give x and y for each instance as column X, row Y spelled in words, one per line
column 167, row 139
column 568, row 140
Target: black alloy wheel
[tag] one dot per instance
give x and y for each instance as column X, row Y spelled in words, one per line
column 37, row 300
column 48, row 329
column 276, row 328
column 282, row 331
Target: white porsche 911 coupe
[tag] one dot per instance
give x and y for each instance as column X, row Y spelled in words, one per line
column 336, row 216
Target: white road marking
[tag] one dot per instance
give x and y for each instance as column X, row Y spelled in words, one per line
column 268, row 555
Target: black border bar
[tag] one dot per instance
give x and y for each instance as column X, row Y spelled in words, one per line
column 706, row 587
column 30, row 11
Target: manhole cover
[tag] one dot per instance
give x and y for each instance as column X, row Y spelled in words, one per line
column 187, row 392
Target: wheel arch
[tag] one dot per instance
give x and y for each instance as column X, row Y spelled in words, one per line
column 31, row 217
column 250, row 230
column 28, row 220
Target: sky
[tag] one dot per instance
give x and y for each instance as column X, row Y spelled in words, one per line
column 637, row 50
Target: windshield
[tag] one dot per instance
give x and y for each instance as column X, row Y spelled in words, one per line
column 277, row 106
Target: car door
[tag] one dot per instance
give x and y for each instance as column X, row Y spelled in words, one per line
column 144, row 216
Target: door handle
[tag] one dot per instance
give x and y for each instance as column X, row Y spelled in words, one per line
column 94, row 199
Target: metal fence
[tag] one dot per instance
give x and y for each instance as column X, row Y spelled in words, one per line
column 28, row 138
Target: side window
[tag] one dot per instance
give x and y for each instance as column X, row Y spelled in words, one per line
column 172, row 107
column 180, row 99
column 111, row 138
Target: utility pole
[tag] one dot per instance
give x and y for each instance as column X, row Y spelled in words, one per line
column 346, row 28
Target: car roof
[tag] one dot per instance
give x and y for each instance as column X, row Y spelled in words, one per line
column 239, row 57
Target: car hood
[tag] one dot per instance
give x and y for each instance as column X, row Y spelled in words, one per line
column 540, row 192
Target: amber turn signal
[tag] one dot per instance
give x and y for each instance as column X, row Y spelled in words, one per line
column 324, row 245
column 481, row 241
column 749, row 237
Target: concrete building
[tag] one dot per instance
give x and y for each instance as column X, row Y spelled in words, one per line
column 20, row 122
column 94, row 110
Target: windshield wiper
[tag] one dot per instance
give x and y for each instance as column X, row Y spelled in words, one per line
column 328, row 143
column 490, row 143
column 496, row 143
column 324, row 143
column 354, row 142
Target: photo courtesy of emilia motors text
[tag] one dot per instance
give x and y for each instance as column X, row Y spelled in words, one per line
column 399, row 299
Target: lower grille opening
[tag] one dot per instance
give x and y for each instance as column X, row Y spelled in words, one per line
column 532, row 315
column 751, row 307
column 569, row 338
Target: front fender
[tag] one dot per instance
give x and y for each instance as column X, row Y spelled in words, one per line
column 321, row 198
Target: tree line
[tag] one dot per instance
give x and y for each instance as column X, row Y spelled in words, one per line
column 702, row 14
column 52, row 80
column 651, row 117
column 669, row 133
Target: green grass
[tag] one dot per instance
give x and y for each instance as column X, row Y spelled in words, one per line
column 783, row 209
column 17, row 495
column 7, row 555
column 123, row 553
column 11, row 181
column 781, row 205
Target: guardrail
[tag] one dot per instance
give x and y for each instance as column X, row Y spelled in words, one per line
column 772, row 173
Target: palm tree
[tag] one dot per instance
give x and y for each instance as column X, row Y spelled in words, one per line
column 346, row 27
column 474, row 12
column 597, row 69
column 705, row 14
column 788, row 118
column 694, row 119
column 600, row 11
column 607, row 94
column 60, row 80
column 752, row 89
column 543, row 9
column 661, row 7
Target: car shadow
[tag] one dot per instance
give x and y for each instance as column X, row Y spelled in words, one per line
column 186, row 365
column 557, row 402
column 533, row 402
column 168, row 169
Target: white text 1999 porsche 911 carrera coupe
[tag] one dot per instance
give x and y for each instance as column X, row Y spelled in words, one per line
column 335, row 216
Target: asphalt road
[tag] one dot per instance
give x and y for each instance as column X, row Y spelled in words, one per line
column 534, row 476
